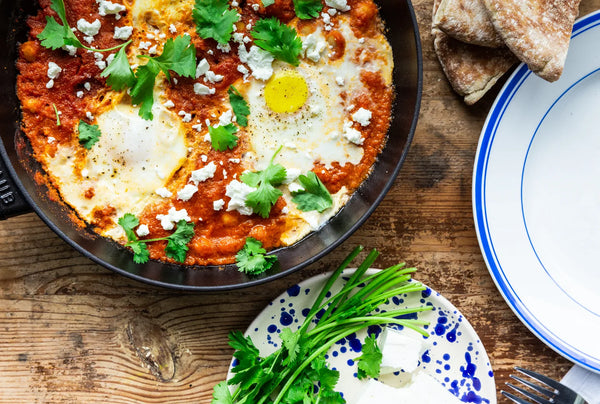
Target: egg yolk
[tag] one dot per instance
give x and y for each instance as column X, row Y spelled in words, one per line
column 286, row 91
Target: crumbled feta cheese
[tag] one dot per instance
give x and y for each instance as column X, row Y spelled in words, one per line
column 197, row 127
column 107, row 7
column 172, row 29
column 238, row 192
column 255, row 7
column 79, row 94
column 50, row 83
column 110, row 58
column 243, row 69
column 332, row 11
column 142, row 230
column 295, row 187
column 292, row 175
column 238, row 37
column 224, row 174
column 339, row 80
column 173, row 216
column 234, row 4
column 101, row 64
column 249, row 26
column 87, row 86
column 259, row 60
column 89, row 115
column 187, row 192
column 149, row 36
column 164, row 192
column 352, row 134
column 326, row 18
column 338, row 4
column 202, row 68
column 53, row 70
column 153, row 50
column 123, row 33
column 204, row 158
column 225, row 118
column 224, row 48
column 71, row 49
column 144, row 45
column 361, row 40
column 350, row 107
column 312, row 46
column 204, row 173
column 201, row 89
column 285, row 210
column 362, row 116
column 51, row 139
column 186, row 117
column 212, row 77
column 218, row 204
column 169, row 104
column 89, row 28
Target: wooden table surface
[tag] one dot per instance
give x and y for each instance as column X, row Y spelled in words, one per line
column 72, row 331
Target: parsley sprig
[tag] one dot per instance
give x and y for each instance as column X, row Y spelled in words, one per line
column 214, row 19
column 292, row 373
column 278, row 39
column 262, row 200
column 177, row 242
column 314, row 196
column 252, row 258
column 56, row 35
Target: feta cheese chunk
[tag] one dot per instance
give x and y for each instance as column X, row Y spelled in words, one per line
column 142, row 230
column 187, row 192
column 260, row 61
column 340, row 5
column 53, row 70
column 173, row 216
column 238, row 192
column 312, row 46
column 106, row 7
column 204, row 173
column 164, row 192
column 89, row 28
column 362, row 116
column 400, row 350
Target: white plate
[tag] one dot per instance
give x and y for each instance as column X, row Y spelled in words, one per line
column 536, row 198
column 457, row 359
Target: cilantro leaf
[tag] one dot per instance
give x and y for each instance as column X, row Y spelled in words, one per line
column 262, row 200
column 290, row 340
column 221, row 394
column 88, row 134
column 142, row 93
column 315, row 195
column 369, row 362
column 214, row 19
column 55, row 35
column 307, row 9
column 278, row 39
column 267, row 3
column 223, row 137
column 251, row 259
column 178, row 55
column 239, row 106
column 177, row 242
column 119, row 72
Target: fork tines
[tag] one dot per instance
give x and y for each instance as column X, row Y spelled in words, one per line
column 556, row 392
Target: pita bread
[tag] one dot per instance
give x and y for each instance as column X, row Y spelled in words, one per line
column 467, row 21
column 536, row 31
column 471, row 70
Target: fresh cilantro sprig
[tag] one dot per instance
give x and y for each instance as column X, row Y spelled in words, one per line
column 223, row 137
column 267, row 3
column 262, row 200
column 369, row 363
column 89, row 135
column 57, row 35
column 252, row 258
column 314, row 196
column 308, row 9
column 278, row 39
column 298, row 372
column 119, row 73
column 214, row 19
column 177, row 242
column 239, row 105
column 178, row 56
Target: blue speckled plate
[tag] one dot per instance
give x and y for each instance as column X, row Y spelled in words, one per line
column 456, row 357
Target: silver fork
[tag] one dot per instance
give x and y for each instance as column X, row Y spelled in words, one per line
column 552, row 393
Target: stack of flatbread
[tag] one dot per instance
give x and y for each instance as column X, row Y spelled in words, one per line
column 477, row 41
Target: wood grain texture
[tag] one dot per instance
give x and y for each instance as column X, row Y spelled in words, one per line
column 73, row 332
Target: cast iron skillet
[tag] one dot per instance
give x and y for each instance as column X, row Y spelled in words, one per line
column 19, row 193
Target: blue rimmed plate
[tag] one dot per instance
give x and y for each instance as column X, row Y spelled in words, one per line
column 536, row 198
column 456, row 356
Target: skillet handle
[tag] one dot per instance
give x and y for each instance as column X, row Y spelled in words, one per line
column 12, row 201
